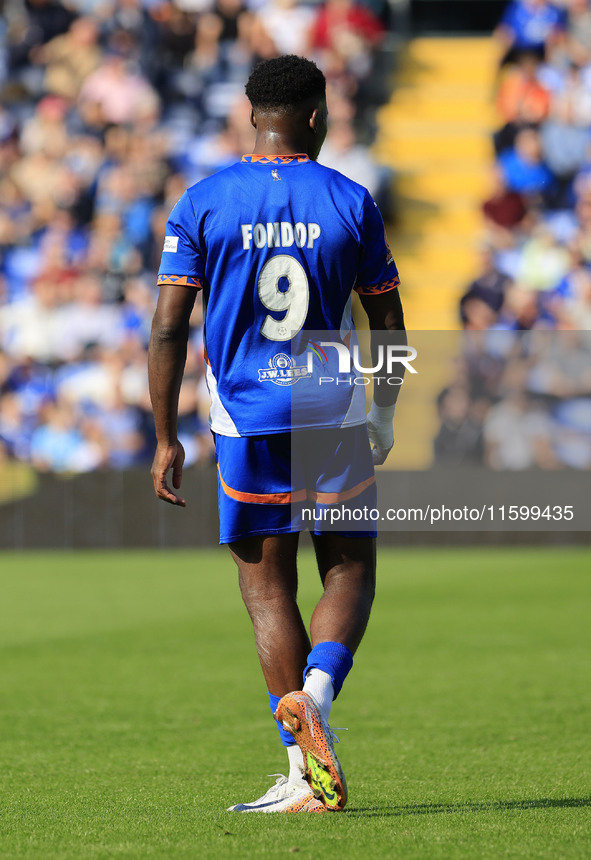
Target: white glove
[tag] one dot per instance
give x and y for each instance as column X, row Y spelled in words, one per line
column 380, row 431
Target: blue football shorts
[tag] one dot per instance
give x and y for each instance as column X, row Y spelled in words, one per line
column 317, row 480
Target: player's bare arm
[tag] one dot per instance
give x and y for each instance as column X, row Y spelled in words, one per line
column 385, row 315
column 166, row 363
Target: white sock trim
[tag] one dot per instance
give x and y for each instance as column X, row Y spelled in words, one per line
column 296, row 764
column 319, row 686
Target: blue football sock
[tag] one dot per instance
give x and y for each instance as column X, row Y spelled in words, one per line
column 334, row 659
column 286, row 737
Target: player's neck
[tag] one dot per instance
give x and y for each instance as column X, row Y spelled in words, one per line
column 274, row 143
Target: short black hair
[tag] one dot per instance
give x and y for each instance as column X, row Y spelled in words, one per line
column 285, row 82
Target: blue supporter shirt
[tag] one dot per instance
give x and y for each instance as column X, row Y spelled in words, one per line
column 523, row 176
column 277, row 244
column 531, row 24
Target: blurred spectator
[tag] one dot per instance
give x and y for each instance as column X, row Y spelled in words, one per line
column 119, row 424
column 573, row 433
column 517, row 436
column 523, row 168
column 122, row 94
column 459, row 441
column 558, row 365
column 343, row 35
column 342, row 152
column 544, row 262
column 70, row 58
column 59, row 444
column 579, row 32
column 529, row 25
column 15, row 430
column 287, row 25
column 520, row 309
column 564, row 149
column 35, row 24
column 482, row 301
column 342, row 24
column 568, row 305
column 521, row 98
column 504, row 211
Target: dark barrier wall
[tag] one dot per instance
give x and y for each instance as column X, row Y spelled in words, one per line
column 111, row 509
column 105, row 510
column 448, row 17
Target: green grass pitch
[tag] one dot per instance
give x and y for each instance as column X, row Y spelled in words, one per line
column 134, row 711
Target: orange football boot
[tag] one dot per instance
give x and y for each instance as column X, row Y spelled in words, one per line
column 299, row 714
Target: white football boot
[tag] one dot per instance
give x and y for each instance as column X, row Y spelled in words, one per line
column 284, row 796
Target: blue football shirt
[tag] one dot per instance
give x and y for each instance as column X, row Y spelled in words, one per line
column 277, row 244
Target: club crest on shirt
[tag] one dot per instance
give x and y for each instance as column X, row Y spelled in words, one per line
column 282, row 370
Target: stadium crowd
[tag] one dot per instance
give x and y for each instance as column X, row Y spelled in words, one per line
column 518, row 400
column 521, row 396
column 536, row 256
column 110, row 109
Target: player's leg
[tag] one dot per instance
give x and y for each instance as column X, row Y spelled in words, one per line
column 342, row 476
column 344, row 483
column 255, row 495
column 255, row 492
column 347, row 569
column 268, row 580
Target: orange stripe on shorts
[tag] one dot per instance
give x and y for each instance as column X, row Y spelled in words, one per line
column 262, row 498
column 333, row 498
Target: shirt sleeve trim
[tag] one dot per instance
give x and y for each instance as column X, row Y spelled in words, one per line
column 180, row 281
column 375, row 289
